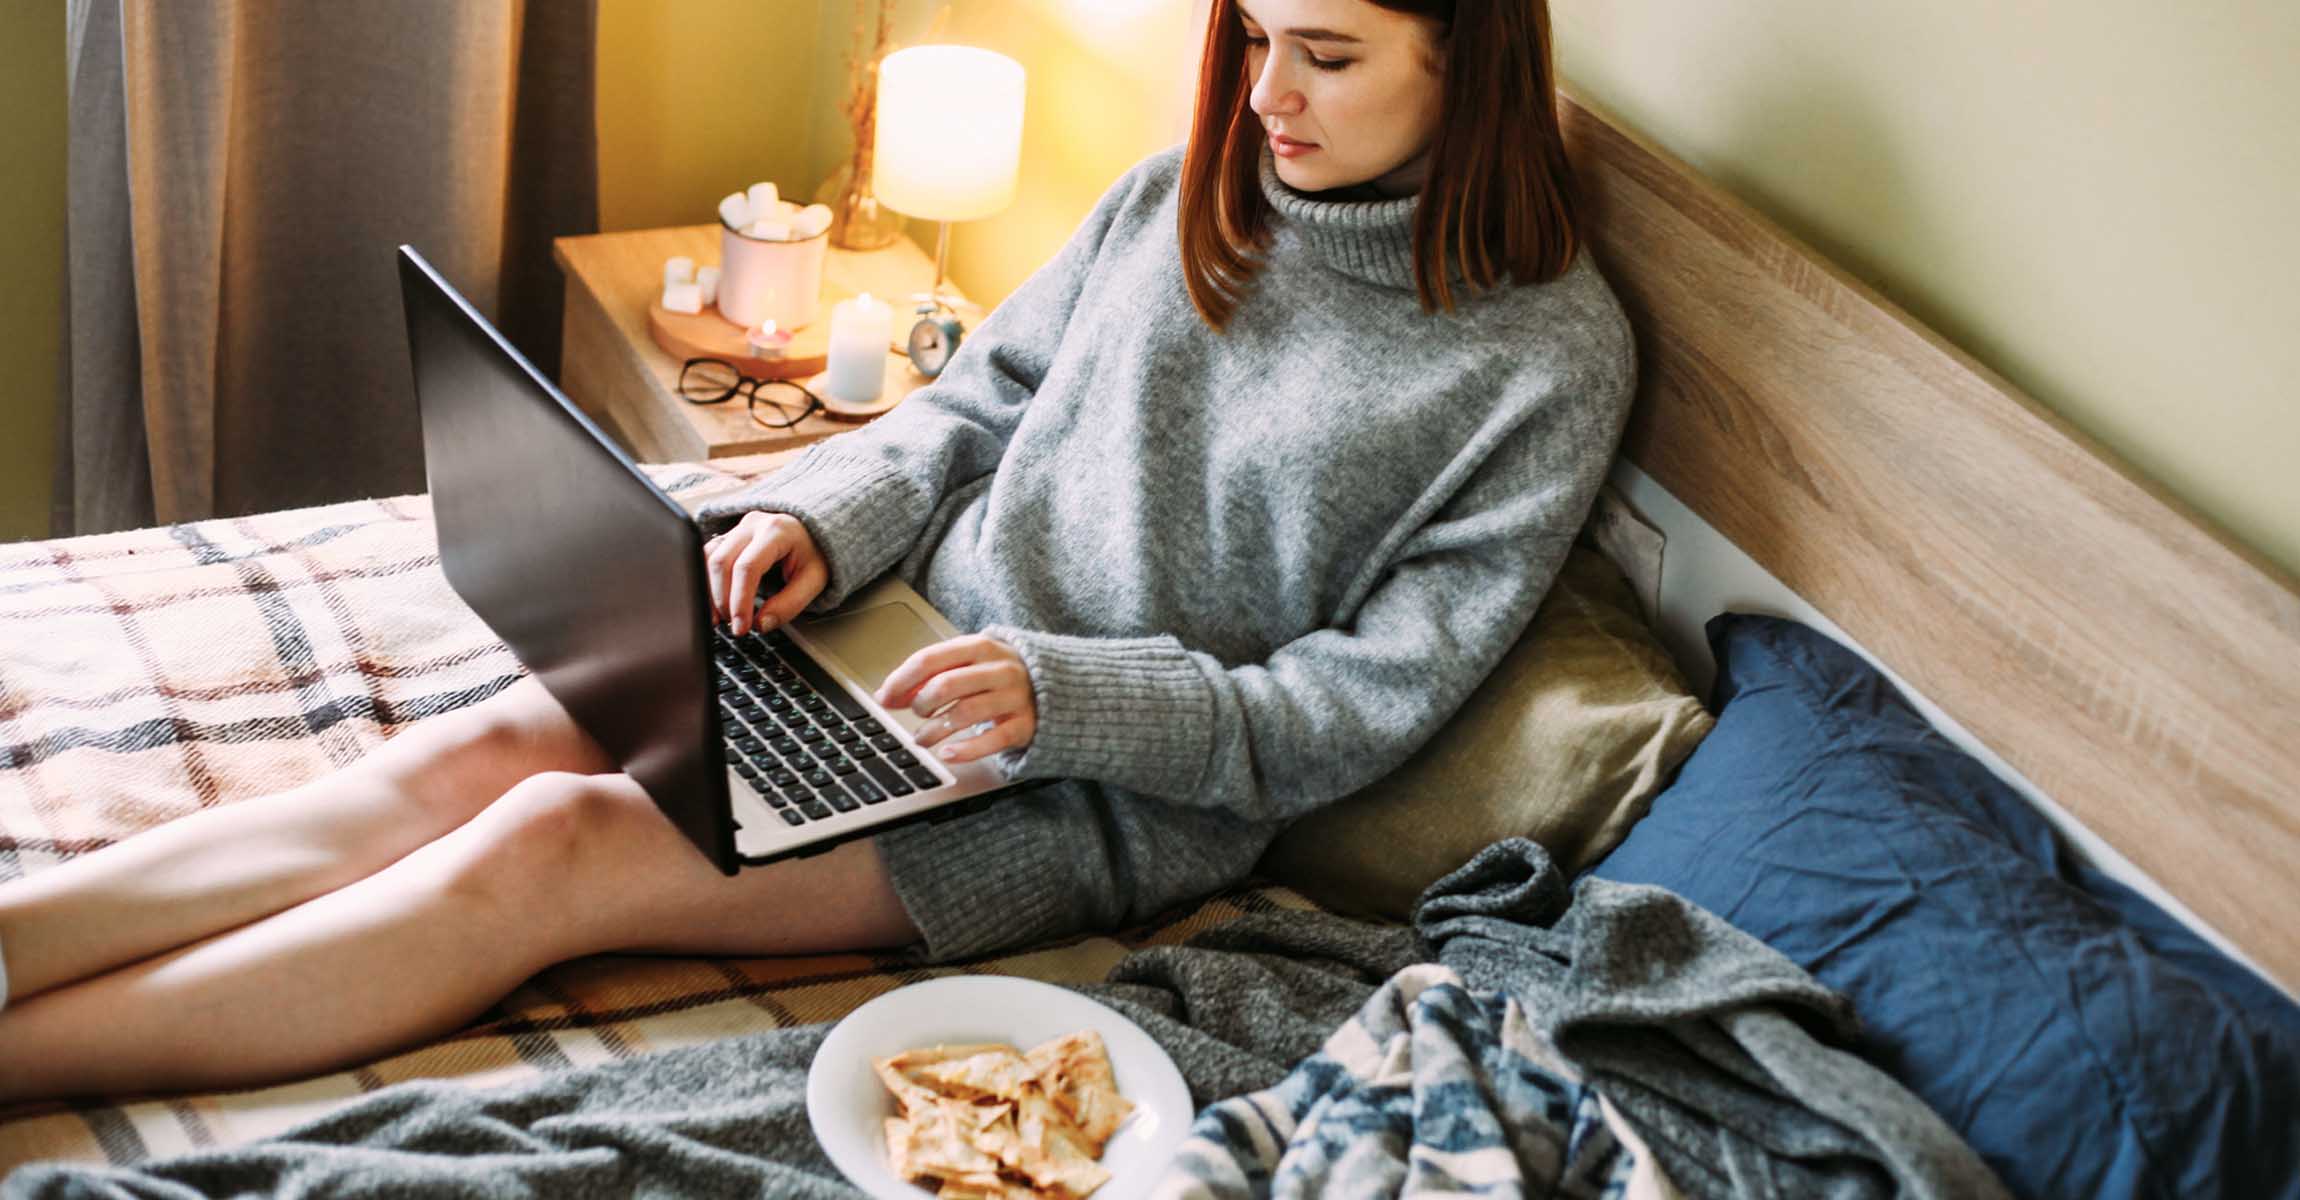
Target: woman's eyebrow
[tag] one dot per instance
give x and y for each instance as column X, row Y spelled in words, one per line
column 1311, row 34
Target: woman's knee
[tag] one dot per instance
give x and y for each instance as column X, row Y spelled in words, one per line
column 526, row 724
column 540, row 833
column 459, row 762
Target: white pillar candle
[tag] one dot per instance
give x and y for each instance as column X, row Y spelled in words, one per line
column 860, row 330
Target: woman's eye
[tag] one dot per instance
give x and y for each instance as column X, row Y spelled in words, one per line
column 1323, row 64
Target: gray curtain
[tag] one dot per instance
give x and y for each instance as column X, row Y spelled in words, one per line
column 240, row 174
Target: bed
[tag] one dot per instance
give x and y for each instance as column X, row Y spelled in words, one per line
column 237, row 658
column 1804, row 447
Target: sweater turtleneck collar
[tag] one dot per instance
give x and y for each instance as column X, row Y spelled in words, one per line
column 1365, row 239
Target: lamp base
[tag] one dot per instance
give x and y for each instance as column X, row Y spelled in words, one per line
column 935, row 299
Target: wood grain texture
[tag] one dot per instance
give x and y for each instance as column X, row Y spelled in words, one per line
column 605, row 378
column 628, row 382
column 2137, row 666
column 706, row 334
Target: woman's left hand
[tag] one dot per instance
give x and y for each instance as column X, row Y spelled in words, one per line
column 962, row 683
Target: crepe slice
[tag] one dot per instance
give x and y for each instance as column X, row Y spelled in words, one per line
column 1075, row 1071
column 898, row 1149
column 1052, row 1152
column 995, row 1073
column 989, row 1121
column 939, row 1140
column 992, row 1189
column 899, row 1071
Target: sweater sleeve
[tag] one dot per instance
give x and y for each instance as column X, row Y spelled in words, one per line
column 1329, row 712
column 866, row 495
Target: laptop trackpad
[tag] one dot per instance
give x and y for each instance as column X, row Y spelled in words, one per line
column 871, row 643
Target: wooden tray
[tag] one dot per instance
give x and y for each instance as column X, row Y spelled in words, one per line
column 708, row 335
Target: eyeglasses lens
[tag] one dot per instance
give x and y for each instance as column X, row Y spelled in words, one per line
column 708, row 380
column 780, row 404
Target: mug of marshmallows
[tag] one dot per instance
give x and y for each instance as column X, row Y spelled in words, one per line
column 770, row 262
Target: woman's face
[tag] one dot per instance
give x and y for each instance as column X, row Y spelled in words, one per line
column 1356, row 81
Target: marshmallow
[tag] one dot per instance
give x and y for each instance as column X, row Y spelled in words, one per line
column 763, row 198
column 708, row 280
column 770, row 231
column 683, row 298
column 812, row 220
column 678, row 270
column 735, row 210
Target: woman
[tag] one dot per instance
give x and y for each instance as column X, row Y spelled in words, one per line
column 1245, row 489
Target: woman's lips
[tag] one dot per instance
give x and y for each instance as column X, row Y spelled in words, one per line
column 1287, row 147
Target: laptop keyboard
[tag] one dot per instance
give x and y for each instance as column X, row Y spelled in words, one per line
column 808, row 747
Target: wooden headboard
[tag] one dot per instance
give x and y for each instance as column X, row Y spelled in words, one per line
column 2133, row 664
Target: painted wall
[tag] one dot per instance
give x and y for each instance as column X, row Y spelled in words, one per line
column 698, row 98
column 2093, row 197
column 31, row 258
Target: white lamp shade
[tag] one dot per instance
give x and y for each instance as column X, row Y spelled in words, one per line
column 949, row 132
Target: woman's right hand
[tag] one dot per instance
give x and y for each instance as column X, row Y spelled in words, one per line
column 740, row 558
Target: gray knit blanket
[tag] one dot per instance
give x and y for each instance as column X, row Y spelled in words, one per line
column 1718, row 1056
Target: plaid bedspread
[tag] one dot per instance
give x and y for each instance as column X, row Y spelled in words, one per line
column 150, row 673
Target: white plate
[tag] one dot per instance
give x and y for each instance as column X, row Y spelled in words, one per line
column 848, row 1106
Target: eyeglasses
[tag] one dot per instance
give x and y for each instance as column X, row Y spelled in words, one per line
column 773, row 403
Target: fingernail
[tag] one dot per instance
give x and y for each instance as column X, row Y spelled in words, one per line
column 767, row 624
column 947, row 753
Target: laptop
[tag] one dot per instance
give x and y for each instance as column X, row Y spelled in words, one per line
column 758, row 748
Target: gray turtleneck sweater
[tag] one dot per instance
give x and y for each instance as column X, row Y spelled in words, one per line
column 1251, row 570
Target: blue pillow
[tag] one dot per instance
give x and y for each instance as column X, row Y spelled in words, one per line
column 2082, row 1040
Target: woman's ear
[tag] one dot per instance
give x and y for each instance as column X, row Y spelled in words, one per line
column 1437, row 50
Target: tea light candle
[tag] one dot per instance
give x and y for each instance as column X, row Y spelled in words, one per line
column 767, row 341
column 860, row 331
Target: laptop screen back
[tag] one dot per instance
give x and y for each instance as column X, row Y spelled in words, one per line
column 574, row 558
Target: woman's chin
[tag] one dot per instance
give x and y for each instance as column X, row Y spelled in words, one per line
column 1300, row 178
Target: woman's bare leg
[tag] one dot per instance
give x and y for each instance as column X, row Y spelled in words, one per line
column 561, row 866
column 223, row 867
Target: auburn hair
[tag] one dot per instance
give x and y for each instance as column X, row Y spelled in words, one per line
column 1498, row 197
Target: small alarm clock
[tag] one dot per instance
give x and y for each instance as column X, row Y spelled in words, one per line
column 933, row 340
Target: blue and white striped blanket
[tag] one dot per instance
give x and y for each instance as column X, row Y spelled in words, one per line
column 1430, row 1090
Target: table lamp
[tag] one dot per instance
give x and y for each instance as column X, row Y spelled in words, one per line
column 947, row 148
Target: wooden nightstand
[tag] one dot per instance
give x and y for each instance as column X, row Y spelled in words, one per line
column 615, row 372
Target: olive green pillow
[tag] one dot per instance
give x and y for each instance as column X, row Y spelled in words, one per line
column 1566, row 743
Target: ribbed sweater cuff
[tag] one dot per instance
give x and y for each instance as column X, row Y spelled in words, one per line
column 1132, row 712
column 861, row 513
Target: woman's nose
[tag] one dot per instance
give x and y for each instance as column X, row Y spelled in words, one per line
column 1273, row 93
